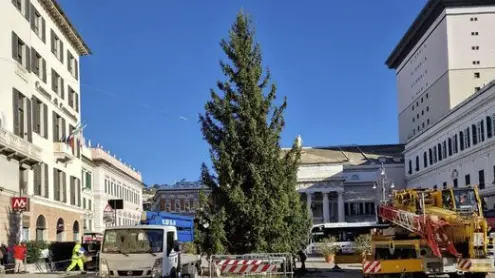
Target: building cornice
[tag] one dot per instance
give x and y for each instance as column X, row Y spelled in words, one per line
column 99, row 155
column 62, row 21
column 423, row 22
column 111, row 168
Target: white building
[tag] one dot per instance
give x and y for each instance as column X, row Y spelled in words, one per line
column 114, row 180
column 459, row 150
column 39, row 104
column 88, row 198
column 444, row 57
column 336, row 183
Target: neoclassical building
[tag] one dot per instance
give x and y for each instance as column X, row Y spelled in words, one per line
column 337, row 183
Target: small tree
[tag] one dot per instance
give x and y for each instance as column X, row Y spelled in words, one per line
column 329, row 247
column 362, row 244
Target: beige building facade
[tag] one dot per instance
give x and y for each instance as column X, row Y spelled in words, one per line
column 443, row 58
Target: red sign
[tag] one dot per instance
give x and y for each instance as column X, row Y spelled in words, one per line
column 19, row 203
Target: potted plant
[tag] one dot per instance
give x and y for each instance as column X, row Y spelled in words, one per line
column 362, row 244
column 329, row 248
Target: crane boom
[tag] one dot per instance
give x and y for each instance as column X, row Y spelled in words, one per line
column 424, row 226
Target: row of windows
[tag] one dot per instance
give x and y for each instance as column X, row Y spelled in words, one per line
column 469, row 136
column 42, row 187
column 31, row 115
column 179, row 205
column 38, row 25
column 467, row 180
column 121, row 191
column 32, row 61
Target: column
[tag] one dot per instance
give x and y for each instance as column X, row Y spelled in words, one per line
column 326, row 208
column 341, row 209
column 308, row 203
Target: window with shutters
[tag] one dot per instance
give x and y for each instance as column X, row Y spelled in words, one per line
column 40, row 117
column 444, row 149
column 57, row 84
column 57, row 46
column 38, row 65
column 37, row 23
column 474, row 132
column 19, row 114
column 18, row 4
column 455, row 147
column 72, row 64
column 37, row 174
column 84, row 203
column 59, row 130
column 20, row 51
column 467, row 139
column 90, row 204
column 73, row 191
column 87, row 179
column 489, row 127
column 481, row 131
column 78, row 188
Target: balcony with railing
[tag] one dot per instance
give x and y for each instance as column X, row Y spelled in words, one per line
column 63, row 152
column 13, row 146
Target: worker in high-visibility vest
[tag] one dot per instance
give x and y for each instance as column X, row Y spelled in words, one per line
column 77, row 257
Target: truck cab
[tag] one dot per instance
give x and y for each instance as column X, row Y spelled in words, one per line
column 140, row 251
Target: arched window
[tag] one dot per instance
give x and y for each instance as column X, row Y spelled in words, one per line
column 60, row 229
column 41, row 228
column 75, row 231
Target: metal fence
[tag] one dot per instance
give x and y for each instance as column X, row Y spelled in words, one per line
column 262, row 264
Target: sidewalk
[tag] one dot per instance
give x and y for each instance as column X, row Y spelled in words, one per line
column 52, row 275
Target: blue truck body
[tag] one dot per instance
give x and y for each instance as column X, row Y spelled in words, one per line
column 184, row 224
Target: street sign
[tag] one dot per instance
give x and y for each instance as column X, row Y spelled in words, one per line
column 108, row 208
column 19, row 203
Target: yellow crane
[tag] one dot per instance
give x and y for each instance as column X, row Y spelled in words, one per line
column 448, row 230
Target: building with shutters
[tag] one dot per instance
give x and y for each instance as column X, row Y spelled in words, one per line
column 114, row 179
column 442, row 59
column 181, row 197
column 88, row 190
column 39, row 68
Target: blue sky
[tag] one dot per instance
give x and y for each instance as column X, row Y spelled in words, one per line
column 155, row 61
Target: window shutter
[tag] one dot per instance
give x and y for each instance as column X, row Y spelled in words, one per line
column 14, row 46
column 28, row 59
column 64, row 130
column 15, row 97
column 54, row 127
column 62, row 89
column 56, row 185
column 54, row 81
column 52, row 39
column 33, row 62
column 61, row 52
column 64, row 183
column 34, row 102
column 68, row 60
column 45, row 121
column 76, row 68
column 70, row 96
column 43, row 30
column 78, row 192
column 47, row 188
column 27, row 5
column 29, row 120
column 77, row 101
column 44, row 70
column 32, row 17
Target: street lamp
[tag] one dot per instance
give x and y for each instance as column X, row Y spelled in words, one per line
column 383, row 182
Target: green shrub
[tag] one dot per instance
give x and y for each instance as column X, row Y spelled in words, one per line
column 189, row 248
column 34, row 249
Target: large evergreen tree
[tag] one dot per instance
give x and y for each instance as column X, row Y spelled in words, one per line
column 253, row 205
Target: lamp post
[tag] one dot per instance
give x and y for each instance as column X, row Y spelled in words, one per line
column 383, row 182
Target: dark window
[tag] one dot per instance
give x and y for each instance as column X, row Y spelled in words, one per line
column 425, row 160
column 482, row 130
column 417, row 163
column 450, row 146
column 455, row 144
column 474, row 134
column 489, row 128
column 481, row 179
column 410, row 167
column 439, row 146
column 456, row 183
column 444, row 184
column 461, row 140
column 467, row 179
column 430, row 156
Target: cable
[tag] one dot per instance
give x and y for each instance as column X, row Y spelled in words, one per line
column 70, row 82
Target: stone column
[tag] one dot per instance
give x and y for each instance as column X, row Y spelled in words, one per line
column 341, row 208
column 326, row 208
column 308, row 203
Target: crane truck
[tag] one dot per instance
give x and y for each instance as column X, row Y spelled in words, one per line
column 432, row 232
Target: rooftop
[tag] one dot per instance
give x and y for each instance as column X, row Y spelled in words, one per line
column 353, row 154
column 423, row 22
column 56, row 12
column 182, row 185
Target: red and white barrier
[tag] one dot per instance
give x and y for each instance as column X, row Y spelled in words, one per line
column 245, row 266
column 372, row 267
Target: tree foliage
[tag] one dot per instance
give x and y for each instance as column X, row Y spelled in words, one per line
column 253, row 205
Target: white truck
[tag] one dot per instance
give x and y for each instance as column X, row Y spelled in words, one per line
column 145, row 251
